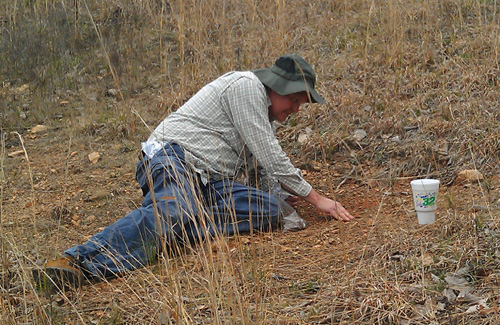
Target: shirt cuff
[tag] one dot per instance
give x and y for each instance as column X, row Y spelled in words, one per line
column 303, row 189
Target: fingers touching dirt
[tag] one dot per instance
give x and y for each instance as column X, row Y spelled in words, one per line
column 340, row 213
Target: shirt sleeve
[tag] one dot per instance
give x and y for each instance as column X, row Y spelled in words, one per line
column 246, row 102
column 256, row 176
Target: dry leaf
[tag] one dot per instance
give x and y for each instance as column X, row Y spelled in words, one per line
column 482, row 305
column 449, row 294
column 427, row 259
column 459, row 284
column 22, row 88
column 469, row 175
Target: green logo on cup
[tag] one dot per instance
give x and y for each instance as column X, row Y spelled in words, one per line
column 428, row 201
column 425, row 200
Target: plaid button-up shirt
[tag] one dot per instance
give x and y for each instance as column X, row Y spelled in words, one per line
column 224, row 129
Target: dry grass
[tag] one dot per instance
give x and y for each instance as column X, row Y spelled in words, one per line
column 421, row 78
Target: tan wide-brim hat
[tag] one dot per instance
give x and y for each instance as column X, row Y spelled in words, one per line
column 290, row 74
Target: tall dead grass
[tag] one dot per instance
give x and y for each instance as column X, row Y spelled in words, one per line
column 420, row 77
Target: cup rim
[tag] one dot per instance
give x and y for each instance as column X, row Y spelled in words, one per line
column 425, row 181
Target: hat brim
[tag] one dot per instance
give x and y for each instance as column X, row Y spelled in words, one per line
column 286, row 87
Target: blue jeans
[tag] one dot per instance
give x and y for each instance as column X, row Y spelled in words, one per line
column 177, row 208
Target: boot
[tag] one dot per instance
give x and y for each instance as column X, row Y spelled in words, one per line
column 60, row 274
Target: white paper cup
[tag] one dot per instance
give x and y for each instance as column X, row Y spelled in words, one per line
column 425, row 196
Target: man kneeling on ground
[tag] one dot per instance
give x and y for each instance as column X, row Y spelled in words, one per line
column 189, row 169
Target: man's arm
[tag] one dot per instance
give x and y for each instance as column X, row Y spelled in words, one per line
column 256, row 176
column 322, row 203
column 246, row 102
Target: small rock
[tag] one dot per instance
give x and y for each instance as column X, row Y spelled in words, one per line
column 39, row 129
column 112, row 92
column 359, row 135
column 94, row 157
column 302, row 138
column 396, row 139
